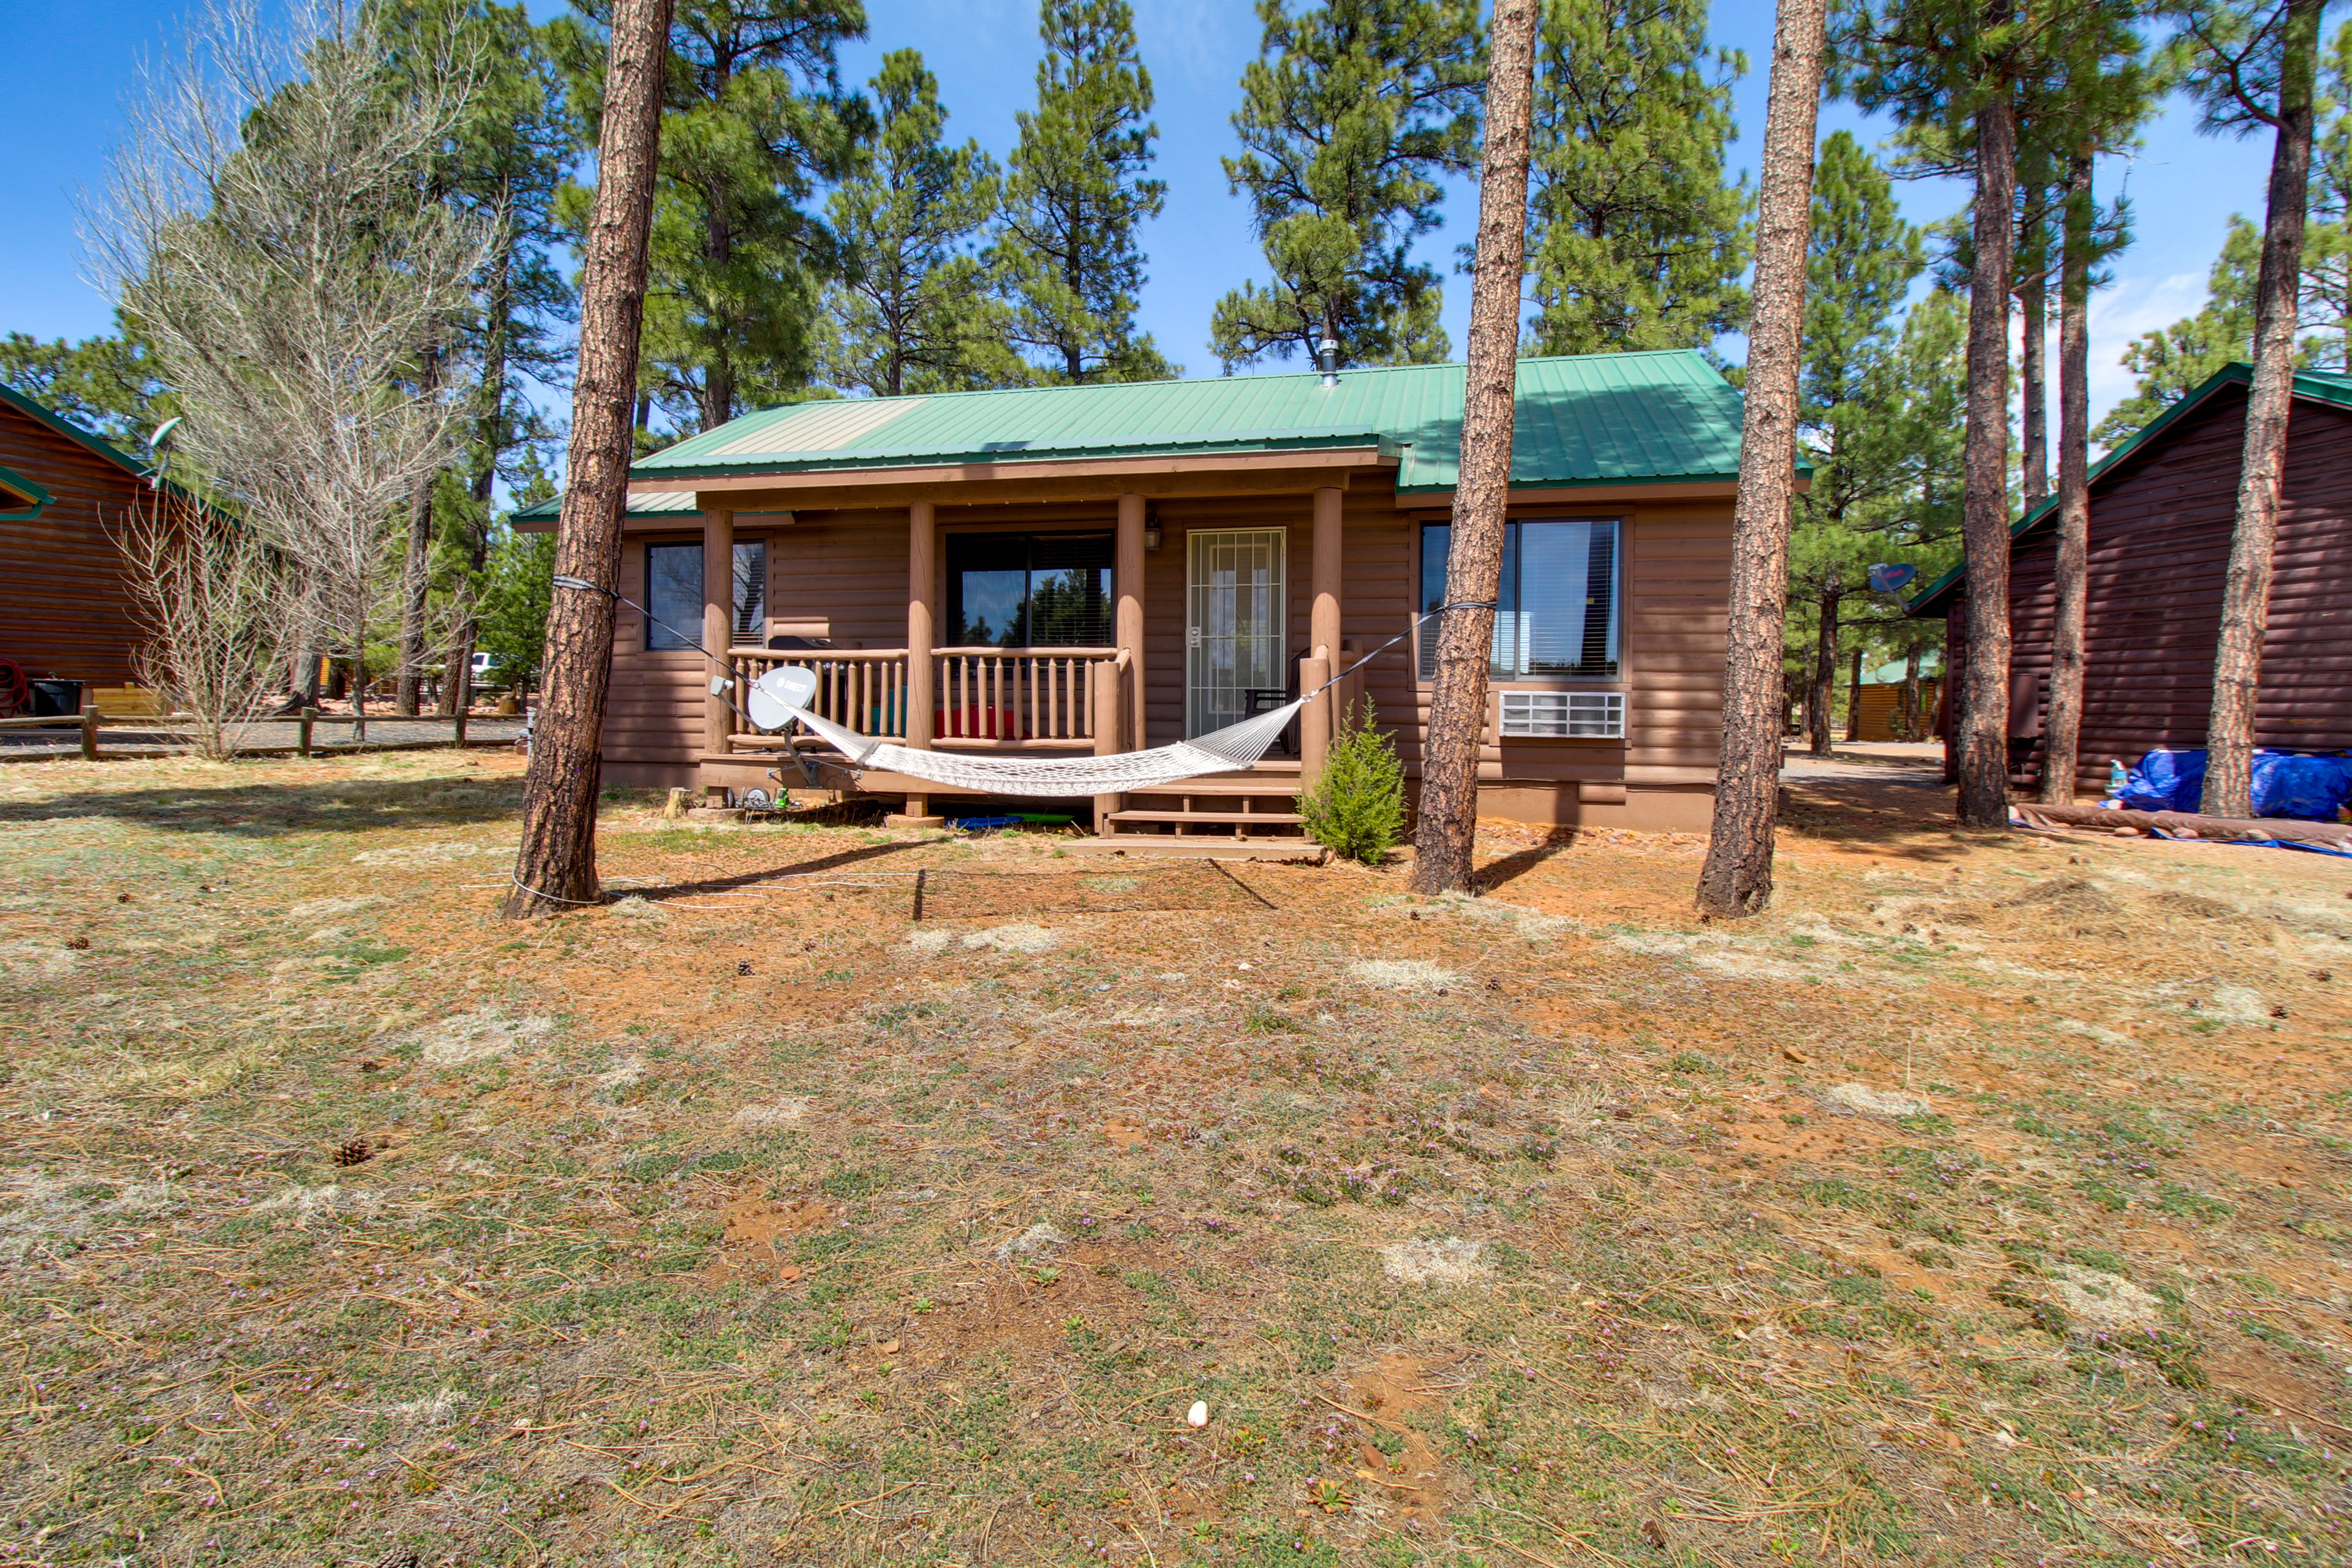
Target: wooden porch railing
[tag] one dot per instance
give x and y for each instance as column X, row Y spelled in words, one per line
column 1005, row 698
column 863, row 689
column 1021, row 699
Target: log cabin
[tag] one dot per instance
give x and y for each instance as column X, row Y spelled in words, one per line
column 1105, row 568
column 66, row 612
column 2163, row 507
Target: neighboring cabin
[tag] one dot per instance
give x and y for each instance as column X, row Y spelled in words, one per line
column 2163, row 506
column 65, row 609
column 1114, row 567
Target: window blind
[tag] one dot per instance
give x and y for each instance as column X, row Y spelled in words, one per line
column 1558, row 599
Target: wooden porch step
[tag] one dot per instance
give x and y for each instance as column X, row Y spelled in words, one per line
column 1222, row 818
column 1223, row 786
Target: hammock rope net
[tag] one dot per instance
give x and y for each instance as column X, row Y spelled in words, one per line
column 1236, row 746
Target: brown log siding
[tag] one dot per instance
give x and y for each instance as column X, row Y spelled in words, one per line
column 847, row 571
column 2159, row 546
column 65, row 609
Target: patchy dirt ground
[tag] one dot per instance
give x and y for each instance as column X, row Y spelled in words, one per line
column 1986, row 1203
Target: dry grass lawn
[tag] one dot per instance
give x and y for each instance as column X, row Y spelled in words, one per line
column 852, row 1197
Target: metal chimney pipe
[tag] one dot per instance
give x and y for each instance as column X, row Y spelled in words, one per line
column 1327, row 351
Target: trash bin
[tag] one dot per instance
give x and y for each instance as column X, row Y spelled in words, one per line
column 56, row 699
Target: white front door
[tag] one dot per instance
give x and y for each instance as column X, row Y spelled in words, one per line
column 1234, row 602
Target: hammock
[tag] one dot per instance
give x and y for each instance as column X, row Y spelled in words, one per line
column 782, row 695
column 779, row 697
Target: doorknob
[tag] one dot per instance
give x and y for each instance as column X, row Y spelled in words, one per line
column 1191, row 637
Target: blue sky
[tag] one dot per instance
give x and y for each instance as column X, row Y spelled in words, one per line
column 72, row 65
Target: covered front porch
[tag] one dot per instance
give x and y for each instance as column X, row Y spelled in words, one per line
column 1236, row 652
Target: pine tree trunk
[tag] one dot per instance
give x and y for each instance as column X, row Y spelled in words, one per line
column 556, row 868
column 1984, row 732
column 1444, row 837
column 1738, row 877
column 1822, row 696
column 414, row 571
column 2033, row 402
column 2063, row 733
column 490, row 444
column 2246, row 592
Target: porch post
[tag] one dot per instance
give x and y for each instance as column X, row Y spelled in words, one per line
column 922, row 633
column 1127, row 582
column 1323, row 612
column 718, row 625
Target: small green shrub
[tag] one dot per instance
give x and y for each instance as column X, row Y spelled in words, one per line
column 1356, row 808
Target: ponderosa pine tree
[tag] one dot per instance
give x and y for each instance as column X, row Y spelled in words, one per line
column 1737, row 879
column 1950, row 68
column 754, row 120
column 555, row 868
column 1637, row 237
column 1859, row 263
column 1349, row 116
column 2096, row 92
column 1446, row 833
column 913, row 312
column 2253, row 64
column 1075, row 194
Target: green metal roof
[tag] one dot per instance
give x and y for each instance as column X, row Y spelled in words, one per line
column 1587, row 419
column 29, row 497
column 2321, row 385
column 104, row 448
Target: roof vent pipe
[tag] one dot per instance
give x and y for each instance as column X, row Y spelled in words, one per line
column 1328, row 350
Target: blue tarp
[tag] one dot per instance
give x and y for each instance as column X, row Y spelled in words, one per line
column 2286, row 783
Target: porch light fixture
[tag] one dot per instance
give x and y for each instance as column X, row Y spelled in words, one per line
column 1152, row 537
column 1327, row 351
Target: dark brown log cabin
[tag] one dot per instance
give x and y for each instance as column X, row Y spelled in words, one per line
column 65, row 609
column 1185, row 553
column 2163, row 505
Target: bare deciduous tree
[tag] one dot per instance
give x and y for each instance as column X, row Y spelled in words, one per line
column 211, row 598
column 265, row 223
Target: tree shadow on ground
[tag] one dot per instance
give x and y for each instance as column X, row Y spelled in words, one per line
column 841, row 860
column 1893, row 820
column 270, row 810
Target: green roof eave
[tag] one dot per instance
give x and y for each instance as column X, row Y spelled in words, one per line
column 102, row 447
column 2321, row 386
column 1239, row 443
column 15, row 486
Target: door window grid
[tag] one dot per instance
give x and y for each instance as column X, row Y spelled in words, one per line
column 1235, row 628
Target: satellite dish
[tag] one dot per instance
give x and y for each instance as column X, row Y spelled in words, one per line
column 162, row 435
column 1892, row 579
column 774, row 695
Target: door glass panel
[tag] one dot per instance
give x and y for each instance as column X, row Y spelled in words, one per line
column 1234, row 625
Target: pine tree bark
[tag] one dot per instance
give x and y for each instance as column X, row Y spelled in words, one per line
column 2062, row 739
column 1444, row 837
column 2033, row 348
column 1983, row 729
column 2246, row 591
column 556, row 868
column 1822, row 696
column 1738, row 877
